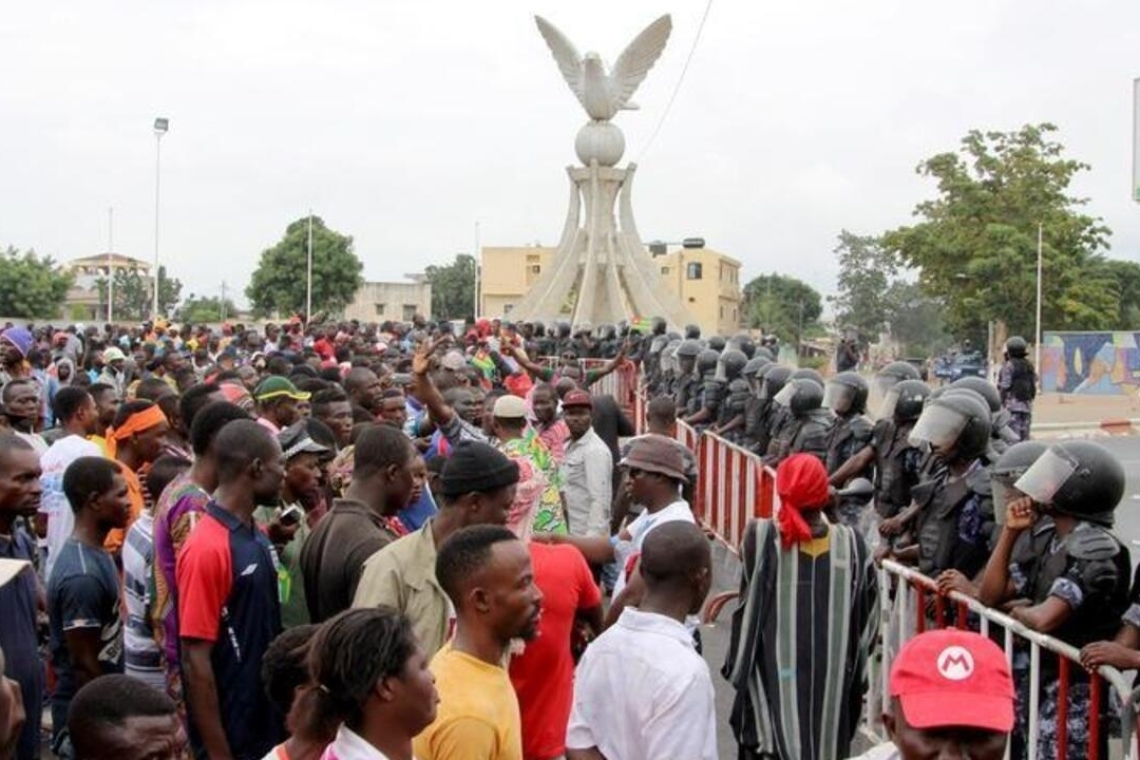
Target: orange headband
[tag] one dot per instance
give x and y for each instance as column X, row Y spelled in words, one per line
column 135, row 424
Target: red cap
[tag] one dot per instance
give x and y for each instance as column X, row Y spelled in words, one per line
column 577, row 398
column 953, row 678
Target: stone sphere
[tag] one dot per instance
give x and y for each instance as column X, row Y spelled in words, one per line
column 599, row 141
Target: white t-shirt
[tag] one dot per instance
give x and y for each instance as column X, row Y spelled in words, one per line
column 640, row 528
column 53, row 503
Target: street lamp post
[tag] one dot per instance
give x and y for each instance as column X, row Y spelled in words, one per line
column 161, row 125
column 1037, row 331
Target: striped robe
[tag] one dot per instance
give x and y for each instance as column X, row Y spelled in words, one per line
column 801, row 637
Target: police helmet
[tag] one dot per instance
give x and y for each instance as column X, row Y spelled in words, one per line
column 659, row 326
column 539, row 330
column 754, row 365
column 904, row 401
column 563, row 330
column 846, row 393
column 810, row 374
column 717, row 343
column 801, row 395
column 1010, row 466
column 1016, row 347
column 743, row 342
column 707, row 361
column 607, row 332
column 762, row 352
column 733, row 362
column 987, row 390
column 1078, row 478
column 775, row 378
column 688, row 349
column 673, row 335
column 692, row 331
column 956, row 418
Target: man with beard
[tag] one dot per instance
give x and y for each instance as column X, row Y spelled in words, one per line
column 487, row 574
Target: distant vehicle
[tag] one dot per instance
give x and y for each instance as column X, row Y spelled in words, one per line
column 951, row 367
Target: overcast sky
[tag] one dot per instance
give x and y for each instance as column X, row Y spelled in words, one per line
column 403, row 123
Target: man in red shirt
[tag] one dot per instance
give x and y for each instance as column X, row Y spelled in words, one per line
column 543, row 675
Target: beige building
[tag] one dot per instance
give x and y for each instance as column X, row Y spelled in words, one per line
column 395, row 301
column 707, row 282
column 83, row 300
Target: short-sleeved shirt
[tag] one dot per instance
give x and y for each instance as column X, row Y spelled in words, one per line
column 83, row 593
column 53, row 502
column 143, row 657
column 543, row 675
column 228, row 595
column 478, row 714
column 180, row 506
column 333, row 556
column 18, row 636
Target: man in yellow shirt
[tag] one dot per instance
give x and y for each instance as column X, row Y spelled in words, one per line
column 487, row 574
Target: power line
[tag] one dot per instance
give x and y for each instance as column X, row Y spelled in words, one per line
column 677, row 87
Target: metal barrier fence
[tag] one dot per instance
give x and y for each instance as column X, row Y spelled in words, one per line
column 911, row 604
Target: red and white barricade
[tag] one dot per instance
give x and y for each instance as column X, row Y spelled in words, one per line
column 911, row 604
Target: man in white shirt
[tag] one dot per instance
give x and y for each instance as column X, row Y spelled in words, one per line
column 587, row 470
column 79, row 418
column 641, row 690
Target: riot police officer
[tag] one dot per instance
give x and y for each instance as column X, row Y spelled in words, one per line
column 752, row 375
column 608, row 343
column 952, row 510
column 1057, row 551
column 730, row 417
column 704, row 405
column 806, row 423
column 686, row 382
column 846, row 396
column 898, row 463
column 1002, row 434
column 770, row 381
column 652, row 363
column 692, row 332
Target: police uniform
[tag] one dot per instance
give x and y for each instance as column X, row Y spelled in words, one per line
column 806, row 434
column 897, row 467
column 849, row 435
column 1089, row 570
column 955, row 527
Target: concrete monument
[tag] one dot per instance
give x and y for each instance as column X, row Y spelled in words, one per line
column 602, row 272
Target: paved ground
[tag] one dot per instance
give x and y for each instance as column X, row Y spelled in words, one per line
column 1063, row 408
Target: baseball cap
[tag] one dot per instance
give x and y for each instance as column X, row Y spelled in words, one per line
column 656, row 453
column 454, row 361
column 953, row 678
column 510, row 407
column 295, row 440
column 577, row 398
column 275, row 386
column 113, row 354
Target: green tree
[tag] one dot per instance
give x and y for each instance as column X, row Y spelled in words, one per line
column 134, row 294
column 865, row 272
column 1127, row 286
column 453, row 288
column 278, row 285
column 916, row 320
column 199, row 309
column 783, row 305
column 975, row 246
column 31, row 286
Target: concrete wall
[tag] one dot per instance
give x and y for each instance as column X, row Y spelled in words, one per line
column 397, row 301
column 1091, row 363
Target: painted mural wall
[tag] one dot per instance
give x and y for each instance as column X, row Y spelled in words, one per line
column 1094, row 363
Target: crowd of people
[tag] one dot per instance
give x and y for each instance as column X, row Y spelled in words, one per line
column 385, row 541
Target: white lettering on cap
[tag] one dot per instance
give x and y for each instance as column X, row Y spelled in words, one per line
column 955, row 663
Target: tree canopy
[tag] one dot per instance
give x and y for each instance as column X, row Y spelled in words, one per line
column 278, row 284
column 975, row 244
column 31, row 286
column 201, row 309
column 865, row 273
column 453, row 288
column 134, row 294
column 782, row 305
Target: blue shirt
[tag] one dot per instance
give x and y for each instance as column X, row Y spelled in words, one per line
column 83, row 592
column 419, row 512
column 18, row 637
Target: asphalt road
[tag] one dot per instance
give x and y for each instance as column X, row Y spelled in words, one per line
column 726, row 570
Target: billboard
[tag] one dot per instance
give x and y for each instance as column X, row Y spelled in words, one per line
column 1136, row 140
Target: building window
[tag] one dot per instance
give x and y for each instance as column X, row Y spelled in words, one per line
column 380, row 309
column 409, row 312
column 664, row 270
column 507, row 308
column 722, row 312
column 536, row 268
column 694, row 270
